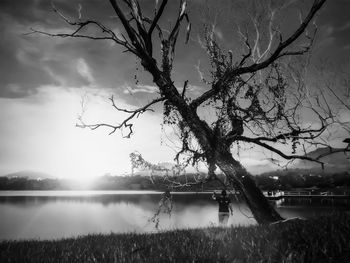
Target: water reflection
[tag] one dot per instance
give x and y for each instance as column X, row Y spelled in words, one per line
column 47, row 215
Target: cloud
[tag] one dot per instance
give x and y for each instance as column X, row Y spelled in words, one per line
column 346, row 26
column 325, row 37
column 84, row 70
column 21, row 73
column 140, row 89
column 13, row 90
column 31, row 61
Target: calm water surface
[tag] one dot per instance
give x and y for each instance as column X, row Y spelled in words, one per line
column 57, row 214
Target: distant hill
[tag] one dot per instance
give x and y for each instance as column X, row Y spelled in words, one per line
column 333, row 162
column 30, row 175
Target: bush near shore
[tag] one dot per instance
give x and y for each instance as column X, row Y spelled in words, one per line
column 325, row 239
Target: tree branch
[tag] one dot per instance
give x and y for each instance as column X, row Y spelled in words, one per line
column 184, row 89
column 283, row 44
column 231, row 73
column 157, row 17
column 80, row 26
column 283, row 136
column 128, row 28
column 280, row 153
column 125, row 124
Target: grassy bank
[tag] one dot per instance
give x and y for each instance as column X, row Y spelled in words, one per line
column 326, row 239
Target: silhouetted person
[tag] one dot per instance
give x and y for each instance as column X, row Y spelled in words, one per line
column 224, row 207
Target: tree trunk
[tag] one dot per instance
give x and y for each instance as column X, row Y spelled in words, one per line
column 260, row 207
column 263, row 212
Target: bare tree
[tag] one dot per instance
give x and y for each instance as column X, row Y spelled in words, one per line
column 258, row 98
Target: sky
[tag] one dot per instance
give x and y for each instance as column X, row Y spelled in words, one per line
column 45, row 83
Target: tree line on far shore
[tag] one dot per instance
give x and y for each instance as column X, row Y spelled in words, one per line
column 277, row 180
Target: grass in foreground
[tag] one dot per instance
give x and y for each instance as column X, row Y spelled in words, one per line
column 326, row 239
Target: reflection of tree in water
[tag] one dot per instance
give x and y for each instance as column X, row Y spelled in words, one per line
column 165, row 205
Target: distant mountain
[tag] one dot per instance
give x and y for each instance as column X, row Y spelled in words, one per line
column 30, row 175
column 338, row 161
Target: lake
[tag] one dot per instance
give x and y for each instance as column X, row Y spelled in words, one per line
column 58, row 214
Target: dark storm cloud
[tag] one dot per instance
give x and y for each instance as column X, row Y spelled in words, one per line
column 20, row 71
column 28, row 62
